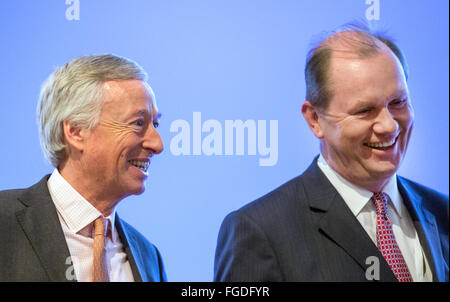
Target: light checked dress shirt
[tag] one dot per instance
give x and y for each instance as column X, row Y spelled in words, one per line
column 77, row 217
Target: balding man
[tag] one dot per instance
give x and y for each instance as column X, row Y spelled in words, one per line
column 348, row 217
column 97, row 118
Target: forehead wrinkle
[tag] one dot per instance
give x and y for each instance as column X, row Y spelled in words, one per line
column 155, row 115
column 114, row 93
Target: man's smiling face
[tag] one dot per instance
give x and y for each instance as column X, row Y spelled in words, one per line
column 365, row 128
column 119, row 148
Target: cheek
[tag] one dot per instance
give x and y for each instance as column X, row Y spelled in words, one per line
column 355, row 133
column 127, row 148
column 405, row 118
column 95, row 151
column 108, row 153
column 408, row 126
column 407, row 122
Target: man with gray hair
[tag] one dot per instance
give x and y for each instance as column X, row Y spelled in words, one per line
column 97, row 119
column 348, row 217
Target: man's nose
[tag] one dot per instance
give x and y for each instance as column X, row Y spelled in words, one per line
column 385, row 123
column 153, row 141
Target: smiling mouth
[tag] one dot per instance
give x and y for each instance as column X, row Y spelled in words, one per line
column 381, row 145
column 141, row 164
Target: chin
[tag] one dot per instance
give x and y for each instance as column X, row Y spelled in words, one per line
column 139, row 191
column 383, row 172
column 136, row 189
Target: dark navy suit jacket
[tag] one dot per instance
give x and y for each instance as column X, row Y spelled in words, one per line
column 304, row 231
column 34, row 247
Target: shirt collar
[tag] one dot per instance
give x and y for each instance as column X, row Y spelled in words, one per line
column 74, row 209
column 391, row 189
column 357, row 197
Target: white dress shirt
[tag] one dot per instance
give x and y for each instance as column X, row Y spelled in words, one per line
column 357, row 199
column 77, row 217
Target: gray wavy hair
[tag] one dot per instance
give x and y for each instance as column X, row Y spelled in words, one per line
column 73, row 93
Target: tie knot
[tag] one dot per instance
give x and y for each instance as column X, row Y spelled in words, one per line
column 380, row 200
column 101, row 226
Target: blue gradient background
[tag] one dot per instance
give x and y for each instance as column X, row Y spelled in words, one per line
column 230, row 60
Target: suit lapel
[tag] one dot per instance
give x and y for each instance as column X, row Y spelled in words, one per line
column 40, row 223
column 129, row 245
column 426, row 228
column 336, row 221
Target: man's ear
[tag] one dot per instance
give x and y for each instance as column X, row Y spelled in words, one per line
column 312, row 118
column 74, row 135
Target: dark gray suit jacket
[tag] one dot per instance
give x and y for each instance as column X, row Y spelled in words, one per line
column 33, row 247
column 304, row 231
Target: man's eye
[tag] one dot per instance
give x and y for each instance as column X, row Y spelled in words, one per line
column 398, row 102
column 139, row 123
column 364, row 111
column 155, row 124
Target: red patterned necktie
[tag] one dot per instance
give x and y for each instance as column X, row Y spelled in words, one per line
column 100, row 272
column 386, row 241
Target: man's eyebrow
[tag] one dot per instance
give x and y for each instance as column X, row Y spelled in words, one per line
column 362, row 103
column 400, row 94
column 139, row 112
column 145, row 112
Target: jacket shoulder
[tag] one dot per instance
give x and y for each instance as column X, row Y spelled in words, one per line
column 10, row 194
column 9, row 201
column 276, row 204
column 432, row 199
column 15, row 199
column 147, row 254
column 141, row 239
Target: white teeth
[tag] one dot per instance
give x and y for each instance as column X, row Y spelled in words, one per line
column 381, row 145
column 143, row 165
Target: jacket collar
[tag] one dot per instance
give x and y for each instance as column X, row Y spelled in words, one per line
column 426, row 227
column 336, row 221
column 41, row 225
column 129, row 245
column 40, row 222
